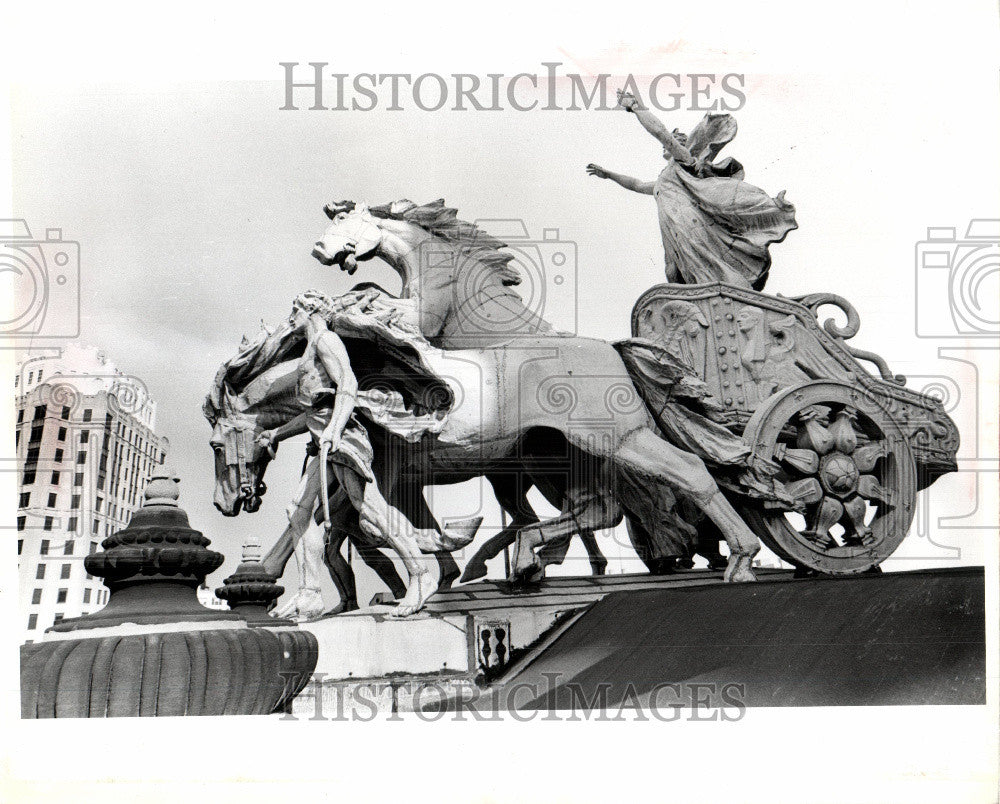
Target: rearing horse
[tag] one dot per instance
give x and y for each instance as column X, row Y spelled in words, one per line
column 515, row 375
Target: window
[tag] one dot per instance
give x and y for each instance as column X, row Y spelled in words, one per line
column 55, row 477
column 40, row 572
column 28, row 478
column 36, row 597
column 44, row 549
column 17, row 438
column 58, row 456
column 74, row 502
column 32, row 622
column 68, row 547
column 86, row 595
column 40, row 372
column 20, row 413
column 61, row 435
column 88, row 414
column 84, row 436
column 93, row 545
column 98, row 503
column 61, row 595
column 25, row 500
column 22, row 522
column 64, row 571
column 52, row 501
column 81, row 457
column 36, row 433
column 39, row 411
column 47, row 525
column 65, row 413
column 95, row 526
column 78, row 479
column 20, row 543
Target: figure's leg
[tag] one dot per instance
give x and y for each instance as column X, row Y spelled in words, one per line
column 647, row 454
column 408, row 497
column 384, row 524
column 277, row 557
column 383, row 567
column 307, row 603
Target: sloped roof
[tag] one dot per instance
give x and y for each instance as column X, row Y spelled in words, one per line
column 897, row 638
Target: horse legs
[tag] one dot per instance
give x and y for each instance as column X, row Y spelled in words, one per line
column 555, row 552
column 585, row 512
column 509, row 491
column 648, row 455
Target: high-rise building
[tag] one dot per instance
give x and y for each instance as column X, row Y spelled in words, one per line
column 86, row 446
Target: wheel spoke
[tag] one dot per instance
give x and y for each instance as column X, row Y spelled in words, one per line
column 806, row 491
column 812, row 434
column 856, row 510
column 845, row 438
column 805, row 461
column 827, row 515
column 867, row 456
column 871, row 489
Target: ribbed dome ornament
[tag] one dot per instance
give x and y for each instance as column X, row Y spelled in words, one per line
column 251, row 591
column 154, row 650
column 154, row 566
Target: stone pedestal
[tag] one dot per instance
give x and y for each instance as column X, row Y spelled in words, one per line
column 154, row 649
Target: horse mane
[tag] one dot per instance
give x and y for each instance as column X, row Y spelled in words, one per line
column 469, row 239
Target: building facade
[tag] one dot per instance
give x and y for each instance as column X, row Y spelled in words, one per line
column 86, row 446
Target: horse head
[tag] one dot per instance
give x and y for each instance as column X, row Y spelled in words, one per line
column 240, row 463
column 353, row 235
column 237, row 420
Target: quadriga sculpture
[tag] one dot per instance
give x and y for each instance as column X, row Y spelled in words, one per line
column 458, row 281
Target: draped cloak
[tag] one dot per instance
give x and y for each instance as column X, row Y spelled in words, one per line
column 715, row 226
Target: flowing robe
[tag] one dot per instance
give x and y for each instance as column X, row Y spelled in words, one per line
column 715, row 226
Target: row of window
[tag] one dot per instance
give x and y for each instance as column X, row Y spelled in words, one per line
column 31, row 377
column 62, row 594
column 64, row 572
column 45, row 546
column 41, row 411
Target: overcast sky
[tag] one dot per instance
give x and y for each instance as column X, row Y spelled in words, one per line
column 196, row 206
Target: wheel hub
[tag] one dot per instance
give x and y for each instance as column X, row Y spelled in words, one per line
column 838, row 474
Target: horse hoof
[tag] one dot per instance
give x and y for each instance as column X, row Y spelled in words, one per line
column 473, row 572
column 739, row 570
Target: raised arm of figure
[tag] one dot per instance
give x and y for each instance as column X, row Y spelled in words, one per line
column 655, row 126
column 628, row 182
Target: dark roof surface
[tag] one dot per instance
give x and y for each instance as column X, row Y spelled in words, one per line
column 897, row 638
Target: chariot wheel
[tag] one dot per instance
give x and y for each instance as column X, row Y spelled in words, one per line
column 843, row 457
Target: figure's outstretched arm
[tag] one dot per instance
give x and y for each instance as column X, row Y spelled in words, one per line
column 628, row 182
column 270, row 439
column 654, row 126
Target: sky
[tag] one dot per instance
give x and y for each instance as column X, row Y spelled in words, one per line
column 196, row 206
